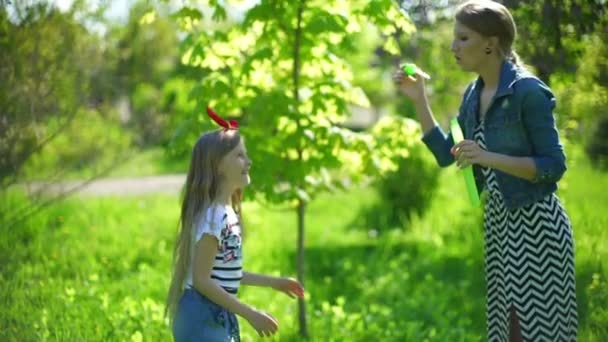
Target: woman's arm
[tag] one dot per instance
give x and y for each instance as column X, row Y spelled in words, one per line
column 468, row 152
column 434, row 138
column 537, row 115
column 522, row 167
column 415, row 89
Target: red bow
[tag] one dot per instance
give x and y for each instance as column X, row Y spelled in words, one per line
column 232, row 124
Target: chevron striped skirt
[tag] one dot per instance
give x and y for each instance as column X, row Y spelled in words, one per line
column 529, row 260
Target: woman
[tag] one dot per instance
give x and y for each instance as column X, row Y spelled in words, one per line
column 513, row 144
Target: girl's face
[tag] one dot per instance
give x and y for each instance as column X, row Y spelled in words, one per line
column 469, row 48
column 234, row 168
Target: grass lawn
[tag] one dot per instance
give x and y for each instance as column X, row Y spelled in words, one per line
column 98, row 269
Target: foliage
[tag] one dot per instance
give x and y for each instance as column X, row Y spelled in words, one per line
column 411, row 180
column 583, row 98
column 56, row 120
column 597, row 291
column 286, row 81
column 85, row 148
column 411, row 175
column 48, row 61
column 408, row 190
column 551, row 32
column 146, row 56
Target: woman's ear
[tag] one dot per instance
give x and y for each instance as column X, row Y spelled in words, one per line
column 493, row 43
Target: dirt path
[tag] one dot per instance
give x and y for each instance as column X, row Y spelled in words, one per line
column 170, row 184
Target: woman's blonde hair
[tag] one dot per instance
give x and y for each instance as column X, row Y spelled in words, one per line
column 491, row 19
column 198, row 194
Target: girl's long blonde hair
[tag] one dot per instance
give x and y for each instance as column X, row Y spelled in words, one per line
column 200, row 190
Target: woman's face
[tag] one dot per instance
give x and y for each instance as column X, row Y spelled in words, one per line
column 469, row 48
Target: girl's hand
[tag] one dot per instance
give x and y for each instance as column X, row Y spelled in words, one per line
column 262, row 322
column 468, row 152
column 289, row 286
column 412, row 86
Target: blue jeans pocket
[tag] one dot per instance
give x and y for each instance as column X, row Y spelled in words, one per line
column 199, row 319
column 217, row 314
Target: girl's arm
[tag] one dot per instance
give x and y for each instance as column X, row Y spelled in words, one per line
column 256, row 279
column 204, row 255
column 289, row 286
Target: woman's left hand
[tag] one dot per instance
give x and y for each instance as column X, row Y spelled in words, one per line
column 290, row 287
column 468, row 152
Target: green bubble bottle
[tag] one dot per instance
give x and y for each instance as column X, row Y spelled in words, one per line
column 469, row 180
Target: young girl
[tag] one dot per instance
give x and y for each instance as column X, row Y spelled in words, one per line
column 513, row 144
column 208, row 264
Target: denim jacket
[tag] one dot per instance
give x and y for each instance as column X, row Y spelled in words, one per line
column 518, row 122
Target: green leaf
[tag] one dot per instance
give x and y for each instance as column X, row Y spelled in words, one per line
column 262, row 12
column 187, row 13
column 261, row 54
column 391, row 46
column 324, row 22
column 219, row 13
column 148, row 17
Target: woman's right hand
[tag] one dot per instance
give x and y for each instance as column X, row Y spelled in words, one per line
column 412, row 86
column 263, row 323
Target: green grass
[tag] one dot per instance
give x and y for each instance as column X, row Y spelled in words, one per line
column 98, row 269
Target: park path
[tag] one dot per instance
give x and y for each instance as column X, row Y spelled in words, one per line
column 127, row 186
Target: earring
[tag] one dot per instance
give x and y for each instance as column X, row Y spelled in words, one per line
column 488, row 51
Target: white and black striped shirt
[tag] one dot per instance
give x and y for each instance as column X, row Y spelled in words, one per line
column 222, row 223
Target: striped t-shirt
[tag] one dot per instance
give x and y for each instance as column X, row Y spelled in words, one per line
column 222, row 223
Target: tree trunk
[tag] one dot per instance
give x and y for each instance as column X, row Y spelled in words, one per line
column 301, row 203
column 300, row 266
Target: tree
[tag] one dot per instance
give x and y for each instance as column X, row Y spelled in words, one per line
column 282, row 72
column 146, row 49
column 565, row 42
column 551, row 31
column 49, row 62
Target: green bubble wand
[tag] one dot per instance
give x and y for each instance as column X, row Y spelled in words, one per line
column 411, row 69
column 469, row 180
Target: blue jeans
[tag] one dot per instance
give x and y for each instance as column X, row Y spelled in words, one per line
column 198, row 319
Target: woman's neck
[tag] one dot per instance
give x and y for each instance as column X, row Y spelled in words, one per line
column 490, row 73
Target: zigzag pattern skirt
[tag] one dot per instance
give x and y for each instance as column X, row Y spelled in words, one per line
column 529, row 260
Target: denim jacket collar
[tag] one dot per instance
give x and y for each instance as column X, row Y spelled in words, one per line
column 509, row 74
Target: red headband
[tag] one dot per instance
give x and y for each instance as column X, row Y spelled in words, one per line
column 232, row 124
